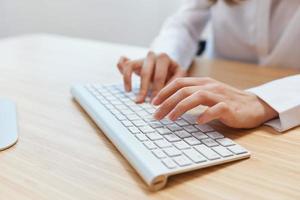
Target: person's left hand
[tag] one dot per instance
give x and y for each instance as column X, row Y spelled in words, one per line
column 233, row 107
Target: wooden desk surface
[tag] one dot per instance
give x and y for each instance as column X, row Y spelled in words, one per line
column 61, row 154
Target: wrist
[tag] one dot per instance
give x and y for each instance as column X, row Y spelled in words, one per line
column 268, row 112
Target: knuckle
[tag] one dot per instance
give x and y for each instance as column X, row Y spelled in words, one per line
column 179, row 107
column 178, row 81
column 218, row 87
column 224, row 106
column 201, row 94
column 184, row 92
column 128, row 65
column 168, row 104
column 159, row 79
column 207, row 79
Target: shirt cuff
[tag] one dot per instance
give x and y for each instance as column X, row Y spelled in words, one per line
column 283, row 96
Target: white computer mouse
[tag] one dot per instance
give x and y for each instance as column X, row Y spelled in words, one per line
column 8, row 124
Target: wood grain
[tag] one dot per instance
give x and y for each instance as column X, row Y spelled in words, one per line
column 61, row 154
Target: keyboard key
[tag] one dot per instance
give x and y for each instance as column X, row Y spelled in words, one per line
column 151, row 110
column 207, row 152
column 192, row 141
column 121, row 107
column 155, row 124
column 134, row 130
column 182, row 122
column 215, row 135
column 210, row 142
column 139, row 123
column 150, row 145
column 171, row 151
column 130, row 104
column 225, row 142
column 146, row 106
column 166, row 121
column 149, row 118
column 182, row 161
column 237, row 149
column 133, row 117
column 182, row 134
column 120, row 117
column 174, row 127
column 115, row 91
column 172, row 137
column 163, row 131
column 141, row 137
column 199, row 135
column 110, row 106
column 204, row 128
column 131, row 95
column 194, row 155
column 127, row 123
column 120, row 96
column 136, row 107
column 190, row 129
column 154, row 136
column 142, row 113
column 191, row 119
column 111, row 98
column 163, row 143
column 169, row 163
column 181, row 145
column 146, row 129
column 101, row 98
column 116, row 102
column 125, row 100
column 127, row 112
column 114, row 111
column 159, row 153
column 224, row 152
column 104, row 102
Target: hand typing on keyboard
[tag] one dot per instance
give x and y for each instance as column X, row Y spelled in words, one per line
column 155, row 71
column 235, row 108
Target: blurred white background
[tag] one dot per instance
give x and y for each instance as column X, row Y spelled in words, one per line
column 134, row 22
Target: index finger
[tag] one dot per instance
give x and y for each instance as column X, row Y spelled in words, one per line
column 175, row 85
column 146, row 75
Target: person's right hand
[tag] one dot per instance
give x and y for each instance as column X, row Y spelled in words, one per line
column 156, row 70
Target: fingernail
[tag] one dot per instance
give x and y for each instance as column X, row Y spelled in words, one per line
column 201, row 121
column 171, row 116
column 155, row 101
column 156, row 115
column 139, row 99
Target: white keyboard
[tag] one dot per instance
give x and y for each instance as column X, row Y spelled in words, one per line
column 156, row 149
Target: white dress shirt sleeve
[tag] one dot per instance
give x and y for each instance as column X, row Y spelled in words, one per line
column 283, row 95
column 180, row 33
